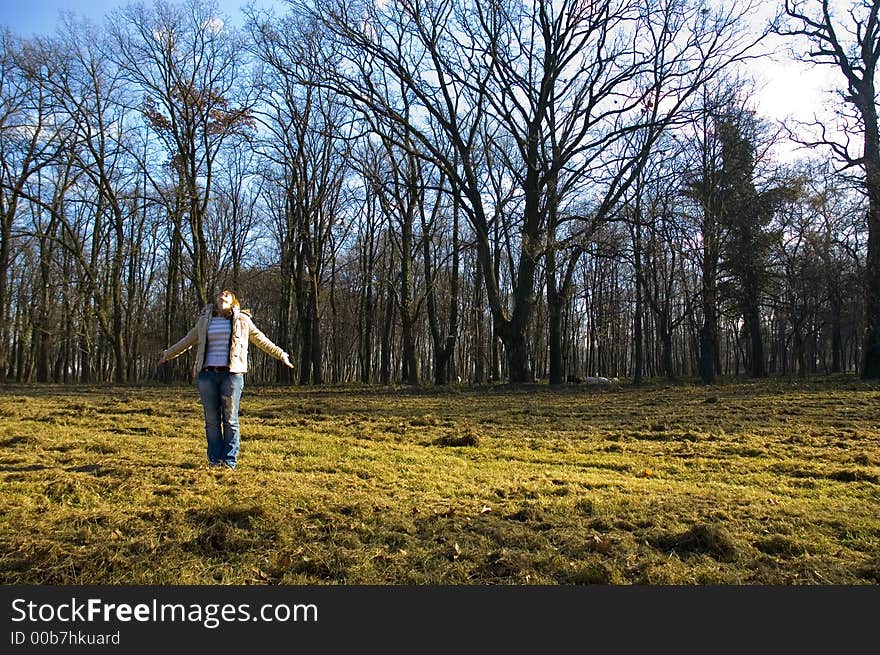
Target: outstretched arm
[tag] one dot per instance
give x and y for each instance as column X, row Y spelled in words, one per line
column 261, row 341
column 191, row 339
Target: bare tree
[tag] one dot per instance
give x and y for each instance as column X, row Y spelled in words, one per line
column 663, row 251
column 848, row 39
column 235, row 213
column 188, row 65
column 560, row 81
column 441, row 259
column 396, row 178
column 308, row 147
column 29, row 141
column 90, row 92
column 369, row 220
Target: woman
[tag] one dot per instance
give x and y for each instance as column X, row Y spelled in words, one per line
column 222, row 334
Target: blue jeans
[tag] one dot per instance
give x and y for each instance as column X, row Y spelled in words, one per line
column 220, row 392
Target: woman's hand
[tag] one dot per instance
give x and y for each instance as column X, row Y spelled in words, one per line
column 285, row 359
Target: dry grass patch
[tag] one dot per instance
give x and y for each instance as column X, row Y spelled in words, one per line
column 772, row 482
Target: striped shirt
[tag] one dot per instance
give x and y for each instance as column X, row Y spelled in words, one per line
column 219, row 337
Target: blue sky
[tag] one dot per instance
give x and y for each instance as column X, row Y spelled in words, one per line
column 788, row 89
column 30, row 17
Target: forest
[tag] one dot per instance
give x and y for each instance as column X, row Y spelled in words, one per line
column 435, row 192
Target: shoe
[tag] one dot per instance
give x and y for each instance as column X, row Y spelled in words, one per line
column 227, row 466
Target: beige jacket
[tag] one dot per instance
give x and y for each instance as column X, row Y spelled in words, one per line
column 243, row 332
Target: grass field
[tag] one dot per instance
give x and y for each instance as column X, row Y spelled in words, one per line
column 772, row 482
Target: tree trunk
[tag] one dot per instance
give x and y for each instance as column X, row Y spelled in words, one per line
column 638, row 344
column 479, row 327
column 871, row 357
column 515, row 344
column 757, row 368
column 666, row 345
column 315, row 348
column 708, row 343
column 709, row 350
column 5, row 253
column 443, row 340
column 555, row 305
column 304, row 323
column 554, row 319
column 836, row 339
column 365, row 315
column 407, row 319
column 387, row 332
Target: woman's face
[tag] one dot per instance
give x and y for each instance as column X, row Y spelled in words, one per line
column 224, row 301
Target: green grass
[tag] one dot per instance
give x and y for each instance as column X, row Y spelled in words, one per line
column 773, row 482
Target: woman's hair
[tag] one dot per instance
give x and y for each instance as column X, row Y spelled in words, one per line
column 235, row 303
